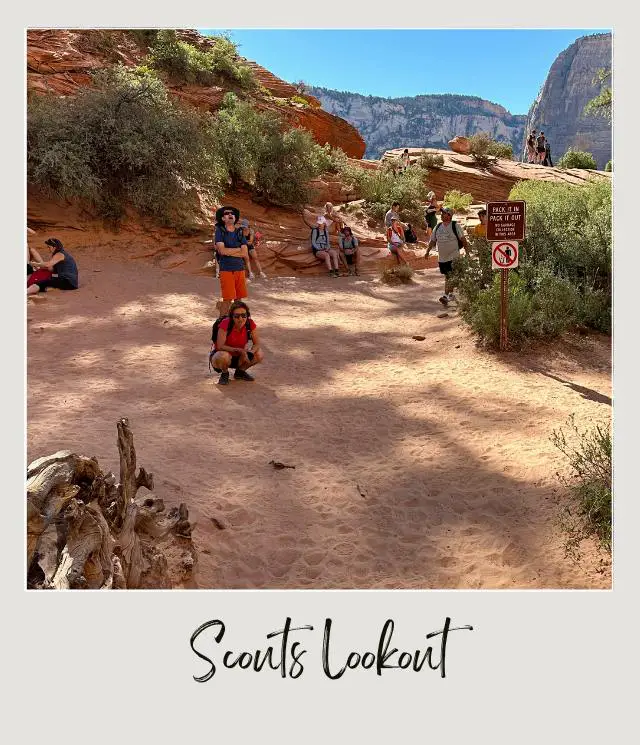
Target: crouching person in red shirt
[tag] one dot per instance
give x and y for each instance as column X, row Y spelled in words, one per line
column 237, row 347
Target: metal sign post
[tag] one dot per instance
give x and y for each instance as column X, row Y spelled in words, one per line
column 505, row 227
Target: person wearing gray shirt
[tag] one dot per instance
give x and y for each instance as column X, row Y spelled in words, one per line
column 448, row 237
column 390, row 214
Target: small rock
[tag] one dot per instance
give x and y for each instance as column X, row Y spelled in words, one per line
column 419, row 338
column 457, row 346
column 443, row 315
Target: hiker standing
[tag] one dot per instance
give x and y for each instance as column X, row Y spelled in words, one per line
column 396, row 239
column 321, row 247
column 349, row 250
column 431, row 213
column 449, row 238
column 531, row 147
column 540, row 147
column 232, row 256
column 547, row 154
column 237, row 345
column 252, row 242
column 480, row 230
column 63, row 268
column 405, row 160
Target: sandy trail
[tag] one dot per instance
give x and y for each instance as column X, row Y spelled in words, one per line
column 419, row 464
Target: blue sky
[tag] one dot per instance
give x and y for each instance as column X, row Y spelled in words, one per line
column 504, row 66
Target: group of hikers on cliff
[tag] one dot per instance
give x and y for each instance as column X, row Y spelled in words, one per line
column 538, row 149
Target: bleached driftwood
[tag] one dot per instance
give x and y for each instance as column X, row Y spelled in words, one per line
column 84, row 530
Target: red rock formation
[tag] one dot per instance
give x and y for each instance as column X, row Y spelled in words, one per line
column 460, row 145
column 60, row 61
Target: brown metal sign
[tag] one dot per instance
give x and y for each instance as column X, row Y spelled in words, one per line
column 505, row 221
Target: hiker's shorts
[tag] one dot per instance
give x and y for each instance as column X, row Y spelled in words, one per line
column 235, row 360
column 351, row 258
column 446, row 267
column 233, row 285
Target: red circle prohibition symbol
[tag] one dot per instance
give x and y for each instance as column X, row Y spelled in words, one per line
column 501, row 257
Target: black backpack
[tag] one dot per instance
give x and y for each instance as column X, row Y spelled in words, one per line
column 214, row 334
column 455, row 232
column 410, row 236
column 315, row 250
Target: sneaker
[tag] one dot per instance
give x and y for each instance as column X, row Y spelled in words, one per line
column 224, row 378
column 331, row 274
column 263, row 275
column 252, row 275
column 242, row 375
column 452, row 298
column 444, row 299
column 356, row 272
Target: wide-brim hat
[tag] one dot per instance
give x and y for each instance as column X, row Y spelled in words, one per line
column 220, row 210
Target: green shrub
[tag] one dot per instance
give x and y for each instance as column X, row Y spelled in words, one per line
column 121, row 142
column 609, row 167
column 397, row 275
column 430, row 160
column 485, row 149
column 577, row 159
column 186, row 62
column 458, row 201
column 300, row 100
column 589, row 512
column 564, row 274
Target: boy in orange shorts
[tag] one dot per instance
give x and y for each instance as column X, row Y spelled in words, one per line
column 232, row 253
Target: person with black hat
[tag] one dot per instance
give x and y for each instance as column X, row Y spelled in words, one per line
column 63, row 267
column 232, row 255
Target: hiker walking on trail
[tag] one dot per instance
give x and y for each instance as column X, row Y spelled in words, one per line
column 396, row 239
column 349, row 250
column 405, row 160
column 321, row 247
column 62, row 268
column 232, row 256
column 236, row 344
column 252, row 242
column 449, row 238
column 431, row 213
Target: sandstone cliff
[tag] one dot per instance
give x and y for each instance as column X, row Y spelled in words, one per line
column 61, row 60
column 420, row 121
column 557, row 111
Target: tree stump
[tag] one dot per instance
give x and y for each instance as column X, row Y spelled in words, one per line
column 84, row 530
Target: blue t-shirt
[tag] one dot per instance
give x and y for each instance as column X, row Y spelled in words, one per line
column 67, row 268
column 233, row 239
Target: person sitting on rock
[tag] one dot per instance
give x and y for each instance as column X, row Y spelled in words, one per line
column 237, row 345
column 390, row 214
column 395, row 240
column 232, row 256
column 321, row 247
column 349, row 250
column 252, row 242
column 63, row 268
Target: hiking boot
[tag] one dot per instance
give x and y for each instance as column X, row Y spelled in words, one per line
column 224, row 378
column 356, row 272
column 444, row 299
column 242, row 375
column 331, row 274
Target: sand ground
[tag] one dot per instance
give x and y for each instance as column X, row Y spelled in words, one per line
column 418, row 464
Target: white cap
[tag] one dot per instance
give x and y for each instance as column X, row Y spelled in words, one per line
column 321, row 220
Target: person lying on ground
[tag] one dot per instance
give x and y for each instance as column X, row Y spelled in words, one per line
column 237, row 345
column 232, row 257
column 395, row 240
column 449, row 238
column 252, row 243
column 349, row 250
column 63, row 268
column 321, row 247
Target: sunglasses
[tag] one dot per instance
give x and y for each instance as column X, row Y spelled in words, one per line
column 239, row 315
column 226, row 214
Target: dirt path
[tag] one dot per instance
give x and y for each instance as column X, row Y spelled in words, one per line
column 419, row 464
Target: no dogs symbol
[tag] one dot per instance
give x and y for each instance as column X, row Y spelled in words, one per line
column 504, row 255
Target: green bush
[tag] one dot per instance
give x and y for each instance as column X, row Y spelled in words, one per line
column 430, row 160
column 458, row 201
column 300, row 100
column 589, row 512
column 564, row 274
column 186, row 62
column 122, row 142
column 609, row 167
column 485, row 149
column 577, row 159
